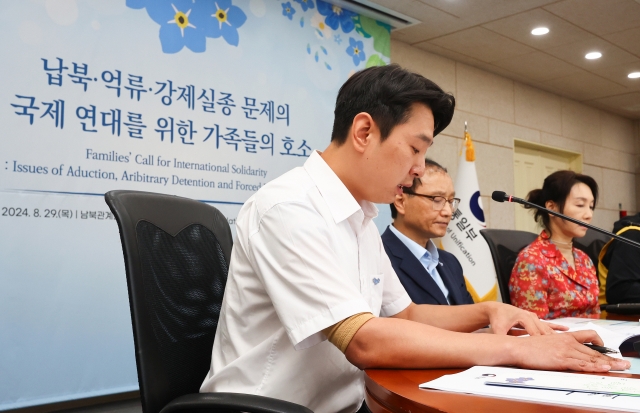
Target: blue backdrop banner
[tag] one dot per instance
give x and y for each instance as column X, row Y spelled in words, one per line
column 204, row 99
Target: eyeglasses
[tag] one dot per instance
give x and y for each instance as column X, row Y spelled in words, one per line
column 437, row 201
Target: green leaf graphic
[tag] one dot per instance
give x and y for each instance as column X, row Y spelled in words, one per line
column 380, row 34
column 375, row 60
column 359, row 29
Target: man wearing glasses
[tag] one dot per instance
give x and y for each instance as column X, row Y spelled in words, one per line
column 421, row 213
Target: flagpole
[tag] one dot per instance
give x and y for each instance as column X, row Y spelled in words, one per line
column 461, row 238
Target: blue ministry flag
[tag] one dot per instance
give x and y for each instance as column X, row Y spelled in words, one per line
column 463, row 237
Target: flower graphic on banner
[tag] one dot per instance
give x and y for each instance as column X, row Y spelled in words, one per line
column 288, row 10
column 356, row 50
column 136, row 4
column 380, row 32
column 189, row 22
column 322, row 30
column 336, row 16
column 306, row 4
column 181, row 22
column 328, row 20
column 226, row 20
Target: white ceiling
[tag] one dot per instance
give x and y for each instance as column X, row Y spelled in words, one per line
column 495, row 35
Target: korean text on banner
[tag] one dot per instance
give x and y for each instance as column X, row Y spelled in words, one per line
column 206, row 99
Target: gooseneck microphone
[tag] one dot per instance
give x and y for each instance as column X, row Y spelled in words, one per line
column 500, row 196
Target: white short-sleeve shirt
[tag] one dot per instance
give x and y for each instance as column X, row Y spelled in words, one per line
column 306, row 256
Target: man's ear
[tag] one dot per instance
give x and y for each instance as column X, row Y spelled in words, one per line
column 399, row 203
column 363, row 131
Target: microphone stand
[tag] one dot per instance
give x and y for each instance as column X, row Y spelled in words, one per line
column 509, row 198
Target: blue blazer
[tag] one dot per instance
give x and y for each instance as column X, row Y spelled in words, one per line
column 416, row 280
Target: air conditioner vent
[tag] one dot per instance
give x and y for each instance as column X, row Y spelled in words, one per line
column 375, row 11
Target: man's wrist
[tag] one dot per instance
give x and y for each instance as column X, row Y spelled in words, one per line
column 488, row 309
column 508, row 354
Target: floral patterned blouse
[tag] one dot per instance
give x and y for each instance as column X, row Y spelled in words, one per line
column 543, row 282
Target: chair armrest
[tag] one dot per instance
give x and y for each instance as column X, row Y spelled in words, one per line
column 231, row 402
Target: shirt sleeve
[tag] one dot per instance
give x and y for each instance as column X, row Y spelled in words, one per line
column 526, row 288
column 292, row 254
column 394, row 296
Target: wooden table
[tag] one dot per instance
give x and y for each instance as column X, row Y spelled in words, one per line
column 623, row 317
column 397, row 391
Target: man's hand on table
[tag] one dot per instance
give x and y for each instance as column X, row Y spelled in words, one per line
column 565, row 352
column 503, row 317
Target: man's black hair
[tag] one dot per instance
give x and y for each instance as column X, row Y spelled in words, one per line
column 431, row 166
column 387, row 94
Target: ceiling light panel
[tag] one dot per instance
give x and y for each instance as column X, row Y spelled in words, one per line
column 539, row 31
column 593, row 55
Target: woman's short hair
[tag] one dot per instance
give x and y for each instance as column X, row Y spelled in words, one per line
column 556, row 188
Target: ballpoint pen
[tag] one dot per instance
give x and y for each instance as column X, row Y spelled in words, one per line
column 600, row 349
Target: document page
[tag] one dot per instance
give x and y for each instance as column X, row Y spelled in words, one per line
column 619, row 335
column 605, row 392
column 577, row 382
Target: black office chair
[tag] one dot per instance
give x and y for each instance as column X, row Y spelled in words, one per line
column 176, row 254
column 505, row 244
column 592, row 244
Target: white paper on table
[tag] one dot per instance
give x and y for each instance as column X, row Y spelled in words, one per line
column 612, row 332
column 625, row 328
column 611, row 339
column 472, row 381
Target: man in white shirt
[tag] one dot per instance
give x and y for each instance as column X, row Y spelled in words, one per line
column 311, row 297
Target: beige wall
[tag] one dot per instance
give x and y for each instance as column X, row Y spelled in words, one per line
column 499, row 110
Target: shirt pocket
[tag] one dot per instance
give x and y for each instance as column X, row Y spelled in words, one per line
column 376, row 286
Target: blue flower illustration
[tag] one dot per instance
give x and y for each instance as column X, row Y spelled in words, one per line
column 226, row 19
column 288, row 10
column 306, row 4
column 336, row 16
column 337, row 39
column 182, row 23
column 356, row 51
column 136, row 4
column 189, row 22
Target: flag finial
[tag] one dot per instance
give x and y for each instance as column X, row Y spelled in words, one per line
column 470, row 152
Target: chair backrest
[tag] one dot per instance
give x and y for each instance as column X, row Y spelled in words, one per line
column 505, row 245
column 592, row 244
column 176, row 254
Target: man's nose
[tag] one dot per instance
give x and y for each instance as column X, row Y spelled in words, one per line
column 447, row 209
column 418, row 170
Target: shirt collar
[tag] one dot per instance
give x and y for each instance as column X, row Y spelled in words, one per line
column 416, row 249
column 340, row 201
column 548, row 249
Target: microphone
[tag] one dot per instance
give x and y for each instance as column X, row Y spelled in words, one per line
column 500, row 196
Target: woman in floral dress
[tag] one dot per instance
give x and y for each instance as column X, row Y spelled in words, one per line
column 551, row 277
